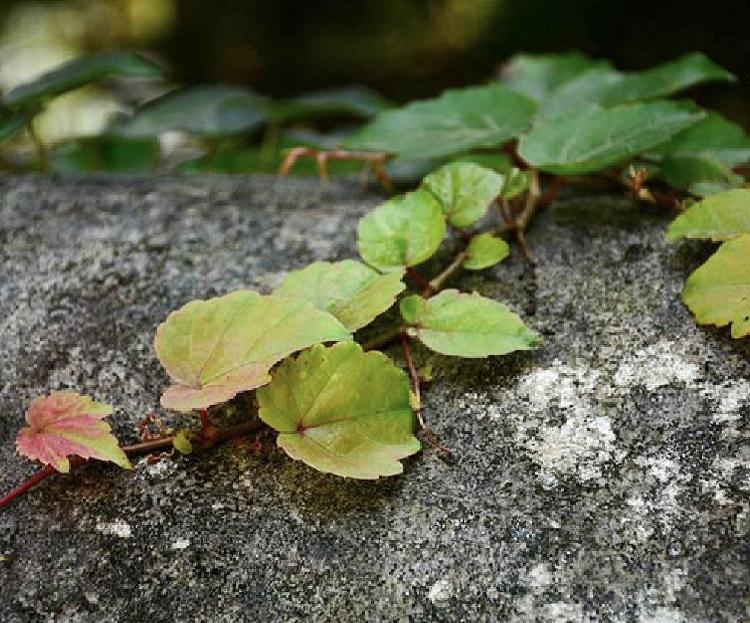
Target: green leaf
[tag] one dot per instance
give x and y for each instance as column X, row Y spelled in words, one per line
column 516, row 182
column 718, row 292
column 466, row 325
column 538, row 75
column 13, row 122
column 216, row 348
column 718, row 217
column 590, row 140
column 701, row 157
column 500, row 162
column 456, row 121
column 350, row 101
column 607, row 87
column 464, row 191
column 713, row 136
column 342, row 411
column 485, row 250
column 404, row 231
column 181, row 442
column 114, row 154
column 700, row 175
column 209, row 110
column 350, row 291
column 79, row 72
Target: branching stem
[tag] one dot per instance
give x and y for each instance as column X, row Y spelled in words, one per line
column 199, row 439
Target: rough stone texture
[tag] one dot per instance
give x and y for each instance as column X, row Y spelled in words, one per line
column 604, row 477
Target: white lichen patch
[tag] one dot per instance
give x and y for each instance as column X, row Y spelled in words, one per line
column 440, row 592
column 579, row 447
column 180, row 544
column 658, row 365
column 116, row 528
column 727, row 398
column 585, row 441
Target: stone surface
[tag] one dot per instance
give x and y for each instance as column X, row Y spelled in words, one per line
column 604, row 477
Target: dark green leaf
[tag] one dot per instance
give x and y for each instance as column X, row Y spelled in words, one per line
column 608, row 87
column 107, row 153
column 589, row 140
column 13, row 122
column 538, row 75
column 350, row 101
column 79, row 72
column 211, row 110
column 457, row 121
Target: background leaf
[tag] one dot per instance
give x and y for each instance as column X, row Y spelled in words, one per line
column 608, row 87
column 209, row 110
column 349, row 101
column 79, row 72
column 464, row 191
column 404, row 231
column 485, row 250
column 718, row 217
column 350, row 291
column 65, row 424
column 466, row 325
column 718, row 292
column 114, row 154
column 216, row 348
column 538, row 75
column 593, row 139
column 342, row 411
column 455, row 122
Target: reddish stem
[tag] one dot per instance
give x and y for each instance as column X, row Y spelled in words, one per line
column 421, row 282
column 205, row 439
column 28, row 484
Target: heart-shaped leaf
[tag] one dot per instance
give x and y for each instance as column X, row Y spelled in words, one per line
column 209, row 110
column 718, row 217
column 67, row 424
column 539, row 75
column 80, row 71
column 217, row 348
column 342, row 411
column 348, row 290
column 485, row 250
column 466, row 325
column 605, row 86
column 457, row 121
column 464, row 191
column 404, row 231
column 718, row 292
column 589, row 140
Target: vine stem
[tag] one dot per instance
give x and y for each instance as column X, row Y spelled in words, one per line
column 216, row 435
column 39, row 147
column 416, row 385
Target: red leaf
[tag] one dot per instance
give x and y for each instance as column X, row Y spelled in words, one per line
column 64, row 424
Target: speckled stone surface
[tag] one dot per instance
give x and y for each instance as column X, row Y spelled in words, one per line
column 604, row 477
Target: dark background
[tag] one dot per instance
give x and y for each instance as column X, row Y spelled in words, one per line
column 404, row 48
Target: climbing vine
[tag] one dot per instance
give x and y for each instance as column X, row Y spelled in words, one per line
column 493, row 156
